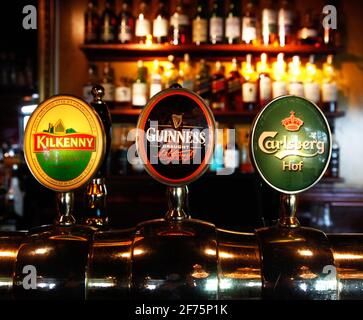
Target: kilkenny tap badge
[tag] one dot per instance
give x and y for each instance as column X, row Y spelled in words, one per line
column 64, row 143
column 291, row 144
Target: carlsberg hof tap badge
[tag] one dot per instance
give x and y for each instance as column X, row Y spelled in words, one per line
column 291, row 144
column 64, row 143
column 175, row 137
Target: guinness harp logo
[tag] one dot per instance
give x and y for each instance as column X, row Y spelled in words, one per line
column 177, row 120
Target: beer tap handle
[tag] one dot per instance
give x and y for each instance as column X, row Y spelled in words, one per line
column 65, row 203
column 177, row 203
column 288, row 208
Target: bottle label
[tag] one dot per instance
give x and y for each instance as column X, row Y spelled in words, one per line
column 125, row 33
column 296, row 89
column 123, row 94
column 87, row 95
column 155, row 85
column 329, row 92
column 249, row 32
column 312, row 91
column 200, row 30
column 142, row 28
column 216, row 29
column 188, row 84
column 265, row 88
column 218, row 85
column 249, row 92
column 160, row 27
column 109, row 91
column 139, row 94
column 231, row 158
column 107, row 33
column 177, row 20
column 234, row 85
column 269, row 22
column 279, row 88
column 233, row 27
column 285, row 21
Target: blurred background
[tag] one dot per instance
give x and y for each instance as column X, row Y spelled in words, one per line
column 237, row 55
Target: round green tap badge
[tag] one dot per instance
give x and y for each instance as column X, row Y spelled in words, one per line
column 64, row 143
column 291, row 144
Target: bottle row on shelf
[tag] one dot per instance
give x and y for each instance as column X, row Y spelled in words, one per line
column 247, row 88
column 231, row 153
column 273, row 22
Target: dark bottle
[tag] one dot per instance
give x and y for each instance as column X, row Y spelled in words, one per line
column 218, row 88
column 142, row 24
column 216, row 23
column 200, row 24
column 333, row 168
column 286, row 22
column 160, row 23
column 126, row 23
column 179, row 32
column 203, row 82
column 233, row 24
column 269, row 23
column 92, row 22
column 234, row 87
column 308, row 32
column 109, row 23
column 249, row 24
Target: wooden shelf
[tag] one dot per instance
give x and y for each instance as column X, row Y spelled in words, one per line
column 130, row 52
column 127, row 114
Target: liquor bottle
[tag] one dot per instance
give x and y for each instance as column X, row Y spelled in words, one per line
column 296, row 86
column 108, row 82
column 203, row 82
column 333, row 168
column 109, row 23
column 156, row 83
column 216, row 23
column 245, row 161
column 329, row 86
column 186, row 74
column 264, row 81
column 249, row 24
column 249, row 85
column 200, row 24
column 160, row 23
column 139, row 87
column 217, row 162
column 234, row 87
column 92, row 80
column 311, row 85
column 126, row 23
column 121, row 166
column 179, row 32
column 142, row 25
column 285, row 22
column 233, row 24
column 231, row 151
column 279, row 86
column 269, row 23
column 171, row 74
column 123, row 92
column 92, row 22
column 218, row 99
column 308, row 32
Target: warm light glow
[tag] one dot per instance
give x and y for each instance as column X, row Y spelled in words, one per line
column 4, row 282
column 138, row 252
column 28, row 109
column 225, row 255
column 149, row 40
column 8, row 254
column 102, row 283
column 282, row 28
column 305, row 252
column 41, row 251
column 210, row 252
column 347, row 256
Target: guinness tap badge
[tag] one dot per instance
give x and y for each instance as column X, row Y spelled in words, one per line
column 175, row 136
column 291, row 144
column 64, row 143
